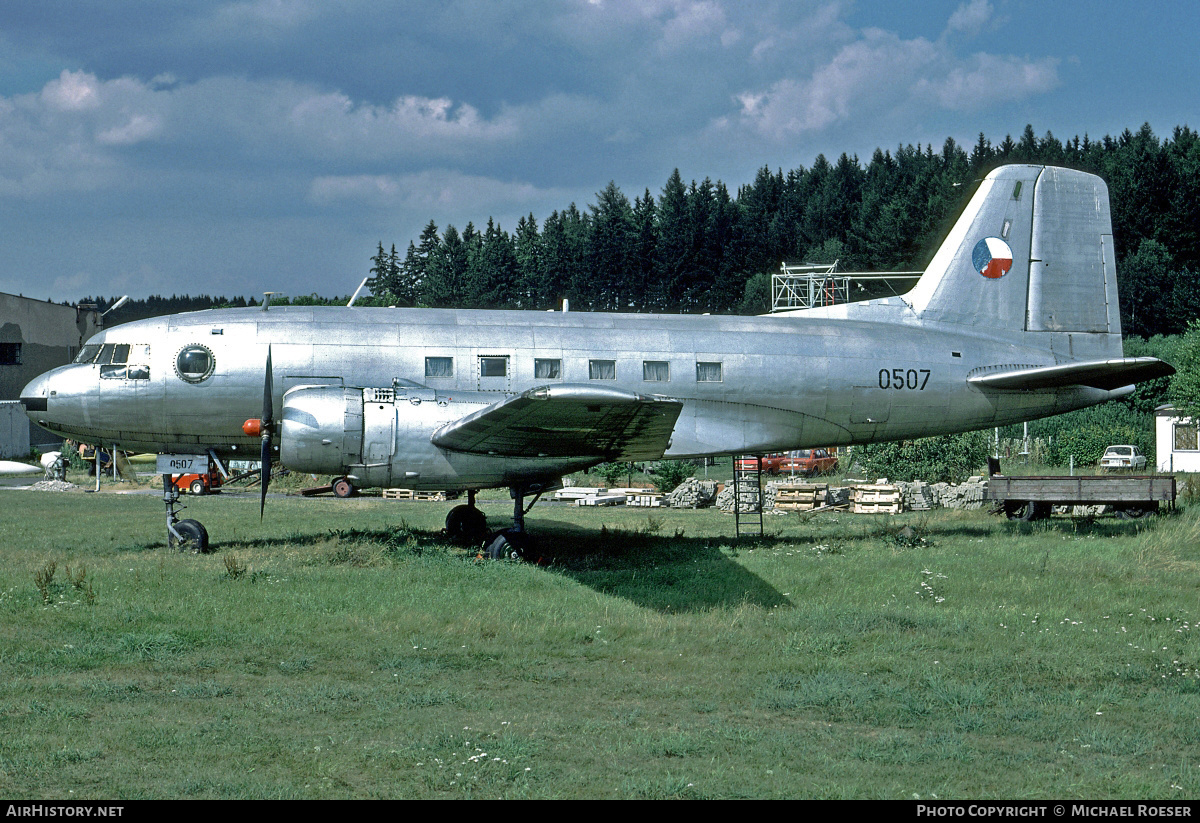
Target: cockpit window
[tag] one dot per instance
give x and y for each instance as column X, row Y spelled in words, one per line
column 88, row 353
column 194, row 363
column 114, row 354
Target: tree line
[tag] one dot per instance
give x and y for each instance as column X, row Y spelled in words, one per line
column 698, row 248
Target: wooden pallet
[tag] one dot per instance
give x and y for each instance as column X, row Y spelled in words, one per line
column 601, row 500
column 878, row 499
column 800, row 497
column 409, row 494
column 578, row 492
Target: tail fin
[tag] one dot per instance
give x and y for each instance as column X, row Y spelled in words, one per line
column 1032, row 254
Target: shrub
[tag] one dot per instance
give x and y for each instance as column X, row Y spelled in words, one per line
column 670, row 473
column 949, row 458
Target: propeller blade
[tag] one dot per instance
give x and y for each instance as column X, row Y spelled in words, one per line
column 264, row 473
column 267, row 422
column 268, row 416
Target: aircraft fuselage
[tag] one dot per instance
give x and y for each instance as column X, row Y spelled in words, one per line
column 747, row 384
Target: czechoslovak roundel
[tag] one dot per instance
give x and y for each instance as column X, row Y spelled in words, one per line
column 992, row 257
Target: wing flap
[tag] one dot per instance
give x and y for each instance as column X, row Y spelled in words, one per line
column 567, row 420
column 1098, row 374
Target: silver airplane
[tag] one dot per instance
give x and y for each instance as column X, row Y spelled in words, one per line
column 1015, row 318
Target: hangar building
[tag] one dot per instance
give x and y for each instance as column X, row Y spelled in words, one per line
column 35, row 336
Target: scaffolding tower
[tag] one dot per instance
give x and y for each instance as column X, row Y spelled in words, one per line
column 807, row 286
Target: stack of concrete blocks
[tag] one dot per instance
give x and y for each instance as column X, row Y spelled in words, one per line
column 839, row 496
column 692, row 493
column 919, row 496
column 968, row 495
column 747, row 499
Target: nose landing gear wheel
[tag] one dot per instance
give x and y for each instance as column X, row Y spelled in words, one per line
column 194, row 537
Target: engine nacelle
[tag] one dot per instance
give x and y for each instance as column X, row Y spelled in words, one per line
column 336, row 430
column 381, row 437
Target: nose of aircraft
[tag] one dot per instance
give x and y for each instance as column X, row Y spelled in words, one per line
column 36, row 395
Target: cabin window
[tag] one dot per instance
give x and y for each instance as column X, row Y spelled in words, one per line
column 1186, row 437
column 10, row 354
column 193, row 364
column 708, row 372
column 547, row 369
column 602, row 369
column 88, row 353
column 439, row 366
column 656, row 371
column 493, row 366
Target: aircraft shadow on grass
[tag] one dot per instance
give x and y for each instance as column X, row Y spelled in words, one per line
column 667, row 573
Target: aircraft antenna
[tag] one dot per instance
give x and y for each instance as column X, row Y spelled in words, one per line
column 356, row 291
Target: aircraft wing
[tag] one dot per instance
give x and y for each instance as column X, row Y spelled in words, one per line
column 567, row 420
column 1098, row 374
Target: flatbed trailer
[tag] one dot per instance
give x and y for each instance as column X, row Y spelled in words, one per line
column 1032, row 498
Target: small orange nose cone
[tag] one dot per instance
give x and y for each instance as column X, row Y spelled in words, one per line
column 252, row 427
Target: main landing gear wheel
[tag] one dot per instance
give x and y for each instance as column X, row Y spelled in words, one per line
column 466, row 526
column 194, row 537
column 509, row 545
column 342, row 487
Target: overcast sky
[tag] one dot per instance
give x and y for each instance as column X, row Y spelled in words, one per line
column 231, row 148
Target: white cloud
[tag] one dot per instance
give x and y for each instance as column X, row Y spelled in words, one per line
column 335, row 117
column 435, row 191
column 692, row 21
column 970, row 18
column 139, row 127
column 880, row 74
column 72, row 91
column 986, row 79
column 72, row 134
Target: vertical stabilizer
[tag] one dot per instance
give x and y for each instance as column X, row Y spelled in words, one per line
column 980, row 275
column 1031, row 253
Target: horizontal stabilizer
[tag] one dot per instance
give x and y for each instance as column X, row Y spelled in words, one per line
column 1097, row 374
column 567, row 421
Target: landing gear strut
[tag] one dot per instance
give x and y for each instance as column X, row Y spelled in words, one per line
column 184, row 535
column 514, row 543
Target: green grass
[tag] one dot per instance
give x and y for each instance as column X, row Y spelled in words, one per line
column 340, row 649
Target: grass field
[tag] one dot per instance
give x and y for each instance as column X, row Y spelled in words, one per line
column 340, row 649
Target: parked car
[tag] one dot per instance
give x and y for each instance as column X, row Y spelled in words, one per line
column 771, row 463
column 810, row 462
column 1122, row 457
